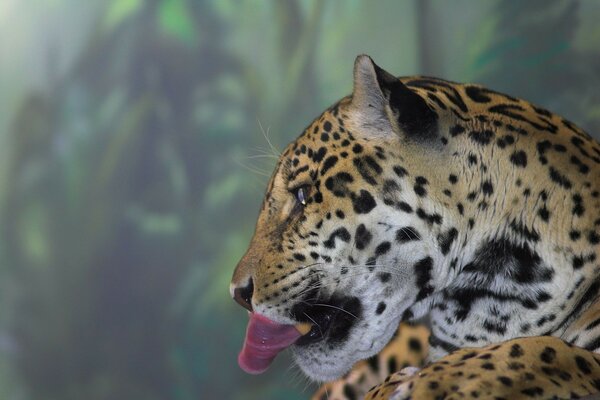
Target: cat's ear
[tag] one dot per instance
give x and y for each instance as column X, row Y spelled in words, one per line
column 385, row 103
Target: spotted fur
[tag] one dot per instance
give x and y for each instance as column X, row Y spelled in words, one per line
column 408, row 348
column 418, row 197
column 526, row 368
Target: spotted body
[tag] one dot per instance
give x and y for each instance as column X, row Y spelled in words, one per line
column 408, row 348
column 417, row 197
column 526, row 368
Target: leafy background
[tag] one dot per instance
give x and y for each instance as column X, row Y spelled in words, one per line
column 134, row 154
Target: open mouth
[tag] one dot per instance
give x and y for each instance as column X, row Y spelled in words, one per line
column 331, row 320
column 328, row 321
column 264, row 340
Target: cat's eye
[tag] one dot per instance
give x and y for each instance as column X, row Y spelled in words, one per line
column 302, row 195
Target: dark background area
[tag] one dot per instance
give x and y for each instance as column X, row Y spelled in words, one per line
column 136, row 139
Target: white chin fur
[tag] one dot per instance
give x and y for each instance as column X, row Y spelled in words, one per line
column 335, row 365
column 322, row 373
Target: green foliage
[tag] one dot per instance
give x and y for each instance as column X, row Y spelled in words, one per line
column 530, row 50
column 174, row 19
column 120, row 10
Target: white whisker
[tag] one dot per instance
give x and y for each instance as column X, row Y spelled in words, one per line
column 266, row 136
column 337, row 308
column 314, row 322
column 252, row 169
column 262, row 156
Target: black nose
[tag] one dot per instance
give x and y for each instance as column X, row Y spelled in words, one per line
column 243, row 295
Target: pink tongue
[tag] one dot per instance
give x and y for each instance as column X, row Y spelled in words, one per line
column 264, row 340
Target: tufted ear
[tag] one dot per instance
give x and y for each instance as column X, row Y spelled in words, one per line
column 386, row 103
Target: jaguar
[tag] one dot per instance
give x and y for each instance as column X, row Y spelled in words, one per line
column 421, row 199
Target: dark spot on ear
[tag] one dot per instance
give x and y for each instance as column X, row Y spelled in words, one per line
column 411, row 111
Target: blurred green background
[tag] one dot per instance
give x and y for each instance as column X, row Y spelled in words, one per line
column 134, row 155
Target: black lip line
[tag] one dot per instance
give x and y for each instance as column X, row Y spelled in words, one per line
column 318, row 331
column 333, row 318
